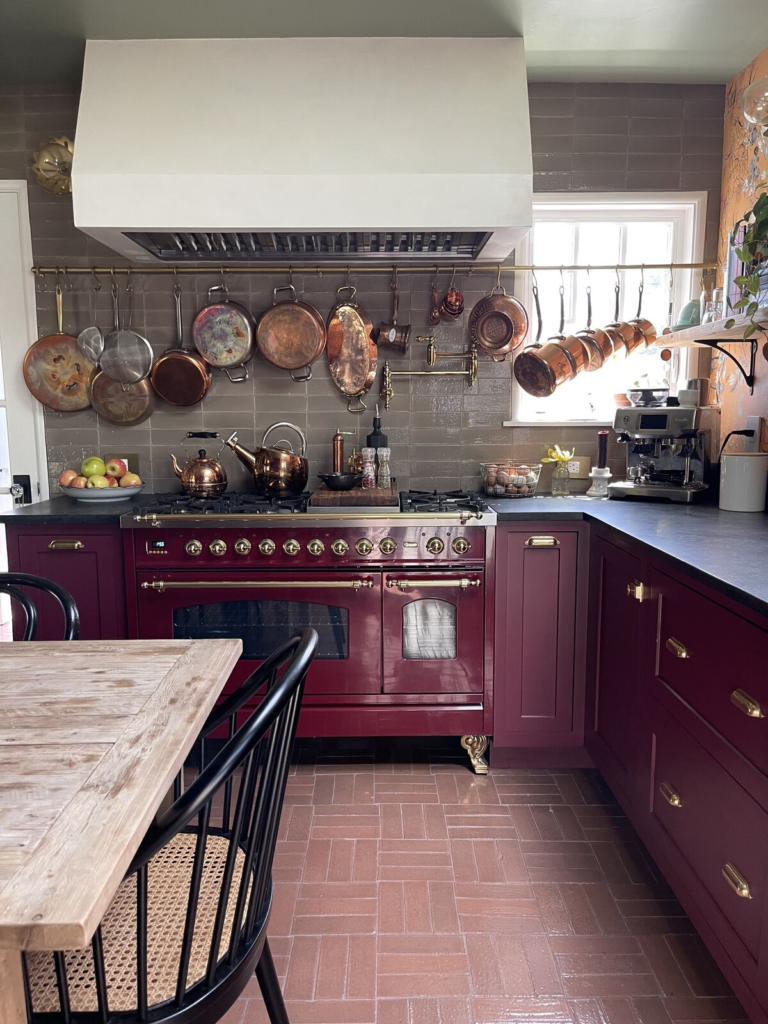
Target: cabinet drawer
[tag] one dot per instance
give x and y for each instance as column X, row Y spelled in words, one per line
column 715, row 661
column 715, row 825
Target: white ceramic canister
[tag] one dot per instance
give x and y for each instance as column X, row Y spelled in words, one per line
column 743, row 479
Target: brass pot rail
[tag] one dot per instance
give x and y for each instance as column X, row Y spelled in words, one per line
column 163, row 585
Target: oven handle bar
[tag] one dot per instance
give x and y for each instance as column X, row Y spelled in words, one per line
column 462, row 584
column 162, row 585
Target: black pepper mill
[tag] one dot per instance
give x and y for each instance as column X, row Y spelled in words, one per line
column 376, row 439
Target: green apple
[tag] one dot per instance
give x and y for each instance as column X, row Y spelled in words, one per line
column 93, row 466
column 97, row 480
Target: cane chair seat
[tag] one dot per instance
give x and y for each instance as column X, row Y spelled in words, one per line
column 169, row 876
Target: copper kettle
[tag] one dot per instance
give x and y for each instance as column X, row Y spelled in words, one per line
column 203, row 476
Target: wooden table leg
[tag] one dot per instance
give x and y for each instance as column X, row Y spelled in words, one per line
column 13, row 1007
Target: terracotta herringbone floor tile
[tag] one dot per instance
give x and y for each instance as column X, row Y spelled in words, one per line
column 413, row 892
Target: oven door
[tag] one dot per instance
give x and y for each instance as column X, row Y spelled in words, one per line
column 433, row 631
column 264, row 609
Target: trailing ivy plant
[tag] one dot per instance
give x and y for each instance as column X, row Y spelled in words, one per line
column 752, row 250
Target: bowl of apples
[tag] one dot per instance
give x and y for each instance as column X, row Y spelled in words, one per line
column 98, row 480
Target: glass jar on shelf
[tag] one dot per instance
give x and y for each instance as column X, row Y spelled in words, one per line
column 369, row 468
column 385, row 473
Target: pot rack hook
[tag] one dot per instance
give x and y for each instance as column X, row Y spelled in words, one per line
column 640, row 290
column 95, row 282
column 452, row 284
column 670, row 308
column 290, row 276
column 67, row 280
column 535, row 289
column 41, row 285
column 498, row 277
column 393, row 282
column 176, row 284
column 346, row 279
column 617, row 293
column 589, row 300
column 562, row 302
column 434, row 279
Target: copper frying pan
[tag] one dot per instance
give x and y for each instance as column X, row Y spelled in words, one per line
column 55, row 370
column 179, row 376
column 291, row 334
column 122, row 404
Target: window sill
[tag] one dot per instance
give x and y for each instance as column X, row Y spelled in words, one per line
column 557, row 423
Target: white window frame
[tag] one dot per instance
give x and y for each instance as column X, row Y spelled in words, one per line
column 18, row 330
column 689, row 208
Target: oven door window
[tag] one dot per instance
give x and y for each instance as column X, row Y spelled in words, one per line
column 263, row 625
column 429, row 630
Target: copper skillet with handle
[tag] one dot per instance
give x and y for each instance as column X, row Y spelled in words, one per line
column 291, row 334
column 55, row 371
column 180, row 377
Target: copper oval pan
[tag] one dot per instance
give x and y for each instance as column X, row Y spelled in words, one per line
column 291, row 334
column 179, row 376
column 350, row 349
column 122, row 404
column 498, row 323
column 55, row 370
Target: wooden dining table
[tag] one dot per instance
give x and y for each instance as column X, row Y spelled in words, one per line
column 92, row 735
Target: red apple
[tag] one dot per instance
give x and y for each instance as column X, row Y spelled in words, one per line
column 66, row 478
column 116, row 468
column 79, row 481
column 113, row 481
column 130, row 480
column 98, row 480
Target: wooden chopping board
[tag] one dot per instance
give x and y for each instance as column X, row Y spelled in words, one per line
column 357, row 496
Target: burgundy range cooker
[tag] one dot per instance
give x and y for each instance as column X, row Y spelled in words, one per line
column 401, row 602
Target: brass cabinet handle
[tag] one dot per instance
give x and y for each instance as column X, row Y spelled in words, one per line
column 679, row 650
column 162, row 585
column 66, row 545
column 542, row 542
column 638, row 590
column 736, row 880
column 672, row 798
column 747, row 704
column 462, row 584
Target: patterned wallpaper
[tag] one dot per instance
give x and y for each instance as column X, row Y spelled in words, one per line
column 745, row 163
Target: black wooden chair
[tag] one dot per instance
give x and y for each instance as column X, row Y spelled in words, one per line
column 187, row 927
column 10, row 583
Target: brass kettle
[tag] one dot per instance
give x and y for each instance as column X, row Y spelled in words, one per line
column 203, row 476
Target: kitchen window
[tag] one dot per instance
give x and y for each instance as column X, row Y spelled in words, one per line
column 599, row 230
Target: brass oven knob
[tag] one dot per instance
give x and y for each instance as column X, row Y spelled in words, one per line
column 291, row 547
column 267, row 546
column 217, row 547
column 194, row 548
column 387, row 546
column 315, row 547
column 435, row 545
column 242, row 546
column 363, row 547
column 339, row 547
column 460, row 546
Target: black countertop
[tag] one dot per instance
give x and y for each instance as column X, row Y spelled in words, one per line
column 725, row 550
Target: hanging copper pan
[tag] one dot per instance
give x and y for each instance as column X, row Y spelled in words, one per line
column 625, row 336
column 180, row 377
column 55, row 370
column 498, row 323
column 540, row 369
column 122, row 404
column 649, row 331
column 291, row 334
column 598, row 344
column 351, row 350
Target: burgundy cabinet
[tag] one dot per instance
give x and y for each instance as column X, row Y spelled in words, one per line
column 88, row 562
column 537, row 642
column 617, row 654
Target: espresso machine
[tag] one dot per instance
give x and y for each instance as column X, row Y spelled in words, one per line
column 668, row 452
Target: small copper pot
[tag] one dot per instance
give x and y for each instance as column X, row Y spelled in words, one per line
column 649, row 331
column 578, row 350
column 540, row 369
column 625, row 336
column 599, row 345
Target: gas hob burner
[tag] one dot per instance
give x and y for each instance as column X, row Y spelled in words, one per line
column 233, row 504
column 441, row 501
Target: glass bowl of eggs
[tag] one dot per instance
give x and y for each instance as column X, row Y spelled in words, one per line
column 510, row 479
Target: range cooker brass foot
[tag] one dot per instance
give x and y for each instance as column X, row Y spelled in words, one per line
column 476, row 746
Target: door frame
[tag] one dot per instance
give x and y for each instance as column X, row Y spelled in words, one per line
column 26, row 422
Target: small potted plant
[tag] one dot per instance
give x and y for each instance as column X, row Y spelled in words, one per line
column 561, row 478
column 749, row 239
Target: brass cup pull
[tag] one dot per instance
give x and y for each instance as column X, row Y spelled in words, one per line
column 736, row 880
column 66, row 545
column 679, row 650
column 637, row 590
column 542, row 542
column 672, row 798
column 747, row 704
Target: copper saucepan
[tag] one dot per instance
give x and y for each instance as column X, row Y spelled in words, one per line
column 598, row 344
column 540, row 369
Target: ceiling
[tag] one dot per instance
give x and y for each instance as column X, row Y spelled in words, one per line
column 566, row 40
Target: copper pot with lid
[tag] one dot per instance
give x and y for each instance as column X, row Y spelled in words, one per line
column 201, row 476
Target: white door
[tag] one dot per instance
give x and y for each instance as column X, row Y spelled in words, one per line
column 22, row 439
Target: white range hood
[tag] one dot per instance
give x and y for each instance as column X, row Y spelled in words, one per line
column 229, row 150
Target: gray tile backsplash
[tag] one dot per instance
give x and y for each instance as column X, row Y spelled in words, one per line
column 590, row 136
